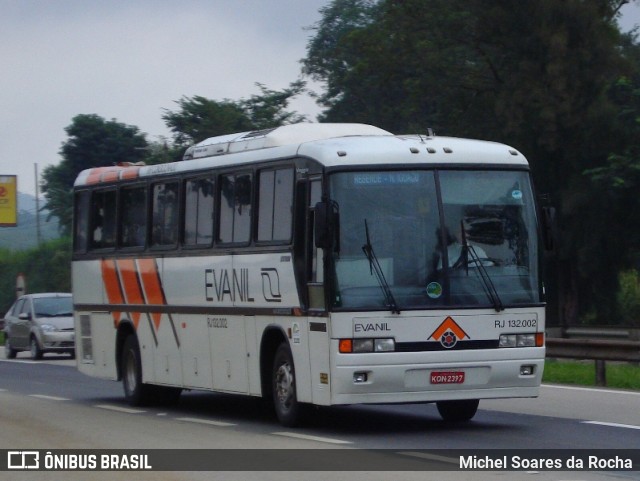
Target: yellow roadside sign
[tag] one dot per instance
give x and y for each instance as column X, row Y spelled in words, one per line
column 8, row 201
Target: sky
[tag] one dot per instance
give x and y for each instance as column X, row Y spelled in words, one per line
column 130, row 59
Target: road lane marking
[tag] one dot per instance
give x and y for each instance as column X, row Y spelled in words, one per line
column 49, row 398
column 206, row 421
column 19, row 362
column 613, row 425
column 109, row 407
column 312, row 438
column 592, row 389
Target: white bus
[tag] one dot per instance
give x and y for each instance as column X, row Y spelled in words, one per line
column 314, row 264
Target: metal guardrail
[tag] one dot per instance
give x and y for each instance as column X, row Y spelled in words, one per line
column 596, row 349
column 599, row 350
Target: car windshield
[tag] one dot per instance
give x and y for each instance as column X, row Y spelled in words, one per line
column 53, row 306
column 428, row 239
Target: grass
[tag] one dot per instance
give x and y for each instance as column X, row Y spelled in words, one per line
column 583, row 373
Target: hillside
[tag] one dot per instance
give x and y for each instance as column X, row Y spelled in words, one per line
column 24, row 236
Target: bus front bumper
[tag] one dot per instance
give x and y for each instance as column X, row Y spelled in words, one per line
column 438, row 381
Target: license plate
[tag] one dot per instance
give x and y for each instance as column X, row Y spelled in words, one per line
column 447, row 377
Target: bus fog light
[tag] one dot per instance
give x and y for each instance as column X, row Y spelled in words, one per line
column 526, row 340
column 527, row 370
column 363, row 345
column 359, row 377
column 384, row 345
column 508, row 340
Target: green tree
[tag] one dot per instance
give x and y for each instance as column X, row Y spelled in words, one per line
column 199, row 118
column 47, row 268
column 92, row 142
column 536, row 75
column 163, row 151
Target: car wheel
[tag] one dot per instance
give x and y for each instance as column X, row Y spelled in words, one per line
column 287, row 407
column 36, row 351
column 135, row 391
column 8, row 350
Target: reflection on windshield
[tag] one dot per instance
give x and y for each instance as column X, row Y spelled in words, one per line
column 53, row 306
column 422, row 242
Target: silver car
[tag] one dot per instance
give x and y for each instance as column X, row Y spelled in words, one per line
column 40, row 323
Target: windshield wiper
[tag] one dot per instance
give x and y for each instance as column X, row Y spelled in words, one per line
column 487, row 284
column 376, row 269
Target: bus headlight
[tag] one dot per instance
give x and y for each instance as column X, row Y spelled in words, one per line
column 361, row 345
column 521, row 340
column 526, row 340
column 384, row 345
column 507, row 340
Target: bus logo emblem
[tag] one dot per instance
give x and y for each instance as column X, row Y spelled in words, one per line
column 271, row 284
column 448, row 333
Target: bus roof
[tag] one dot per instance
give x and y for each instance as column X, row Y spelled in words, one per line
column 332, row 145
column 285, row 135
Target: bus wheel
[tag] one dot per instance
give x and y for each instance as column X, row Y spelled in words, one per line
column 285, row 402
column 458, row 411
column 135, row 391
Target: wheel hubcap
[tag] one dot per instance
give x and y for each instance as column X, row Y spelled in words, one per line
column 284, row 385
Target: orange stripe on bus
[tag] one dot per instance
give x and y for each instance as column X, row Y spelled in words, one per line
column 112, row 286
column 152, row 286
column 130, row 173
column 109, row 176
column 132, row 291
column 95, row 175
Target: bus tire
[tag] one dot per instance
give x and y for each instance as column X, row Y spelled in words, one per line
column 283, row 378
column 458, row 411
column 136, row 392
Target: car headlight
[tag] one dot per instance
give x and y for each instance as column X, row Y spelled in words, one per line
column 48, row 328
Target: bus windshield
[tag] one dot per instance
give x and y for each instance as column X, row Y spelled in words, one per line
column 432, row 239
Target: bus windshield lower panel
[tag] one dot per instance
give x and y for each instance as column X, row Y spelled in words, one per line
column 429, row 239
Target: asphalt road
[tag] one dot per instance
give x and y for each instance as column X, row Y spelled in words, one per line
column 49, row 405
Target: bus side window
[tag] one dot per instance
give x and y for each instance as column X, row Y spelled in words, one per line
column 235, row 208
column 165, row 214
column 81, row 219
column 317, row 274
column 133, row 221
column 199, row 197
column 102, row 219
column 275, row 205
column 315, row 284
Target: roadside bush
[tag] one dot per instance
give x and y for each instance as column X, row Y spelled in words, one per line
column 46, row 268
column 628, row 298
